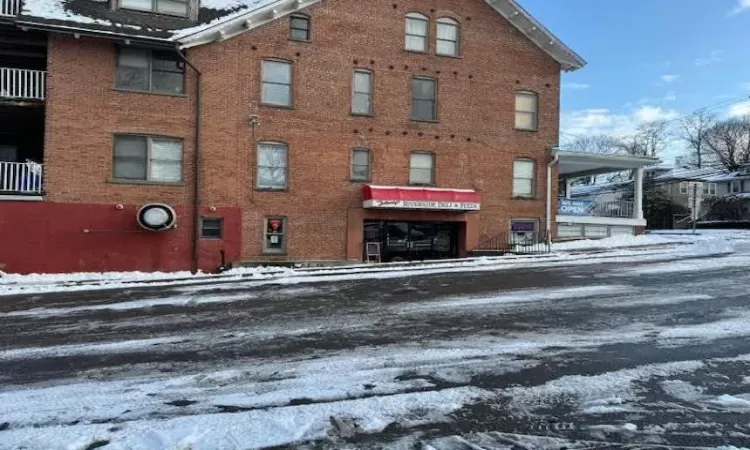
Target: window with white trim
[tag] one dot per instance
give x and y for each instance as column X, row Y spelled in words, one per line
column 171, row 7
column 735, row 187
column 417, row 26
column 147, row 158
column 527, row 111
column 523, row 178
column 422, row 168
column 447, row 37
column 150, row 70
column 274, row 235
column 272, row 165
column 362, row 92
column 277, row 83
column 212, row 227
column 684, row 187
column 709, row 189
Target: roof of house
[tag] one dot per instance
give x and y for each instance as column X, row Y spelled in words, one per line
column 222, row 19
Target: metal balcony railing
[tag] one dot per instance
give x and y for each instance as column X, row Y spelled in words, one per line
column 10, row 8
column 22, row 84
column 21, row 178
column 620, row 209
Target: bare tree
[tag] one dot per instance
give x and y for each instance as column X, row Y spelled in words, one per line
column 595, row 144
column 729, row 142
column 694, row 130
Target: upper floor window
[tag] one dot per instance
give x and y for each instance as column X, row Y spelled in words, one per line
column 523, row 178
column 422, row 168
column 147, row 158
column 277, row 83
column 299, row 25
column 272, row 165
column 735, row 187
column 360, row 164
column 362, row 92
column 172, row 7
column 416, row 32
column 447, row 37
column 423, row 99
column 150, row 70
column 527, row 110
column 683, row 187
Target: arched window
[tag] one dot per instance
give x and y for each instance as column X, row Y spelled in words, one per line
column 447, row 37
column 417, row 26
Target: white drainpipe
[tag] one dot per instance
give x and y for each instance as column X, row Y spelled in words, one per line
column 549, row 197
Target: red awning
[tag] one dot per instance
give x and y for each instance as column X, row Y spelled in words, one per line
column 389, row 197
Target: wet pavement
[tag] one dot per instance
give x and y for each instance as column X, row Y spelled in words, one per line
column 639, row 355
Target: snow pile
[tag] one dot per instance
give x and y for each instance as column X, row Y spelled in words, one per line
column 731, row 402
column 618, row 242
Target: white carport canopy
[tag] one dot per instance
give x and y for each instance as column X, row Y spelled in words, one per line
column 578, row 164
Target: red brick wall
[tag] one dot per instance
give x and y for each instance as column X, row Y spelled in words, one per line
column 474, row 139
column 67, row 237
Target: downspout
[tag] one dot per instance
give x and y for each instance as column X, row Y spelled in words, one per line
column 196, row 165
column 549, row 196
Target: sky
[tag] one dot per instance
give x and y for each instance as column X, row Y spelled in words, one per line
column 649, row 60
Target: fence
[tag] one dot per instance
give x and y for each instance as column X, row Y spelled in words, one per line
column 10, row 8
column 21, row 178
column 22, row 84
column 527, row 243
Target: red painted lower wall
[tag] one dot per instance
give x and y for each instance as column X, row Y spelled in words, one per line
column 59, row 237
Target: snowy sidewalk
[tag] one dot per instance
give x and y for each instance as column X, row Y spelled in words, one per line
column 649, row 247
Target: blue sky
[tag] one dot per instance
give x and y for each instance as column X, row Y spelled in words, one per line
column 648, row 60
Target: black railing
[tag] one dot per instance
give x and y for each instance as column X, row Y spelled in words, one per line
column 526, row 243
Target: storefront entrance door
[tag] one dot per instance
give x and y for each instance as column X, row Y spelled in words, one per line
column 409, row 241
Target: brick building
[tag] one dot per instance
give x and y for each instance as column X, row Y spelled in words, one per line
column 314, row 126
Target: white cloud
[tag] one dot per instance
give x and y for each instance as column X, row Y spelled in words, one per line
column 669, row 78
column 576, row 86
column 670, row 97
column 739, row 109
column 588, row 122
column 742, row 5
column 713, row 58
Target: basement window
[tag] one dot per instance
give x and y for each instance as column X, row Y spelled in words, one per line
column 212, row 227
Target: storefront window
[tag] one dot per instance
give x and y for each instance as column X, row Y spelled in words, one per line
column 275, row 235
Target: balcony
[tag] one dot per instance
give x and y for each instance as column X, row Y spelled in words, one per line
column 24, row 180
column 22, row 84
column 10, row 8
column 590, row 208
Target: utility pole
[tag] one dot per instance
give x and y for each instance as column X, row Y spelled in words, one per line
column 695, row 205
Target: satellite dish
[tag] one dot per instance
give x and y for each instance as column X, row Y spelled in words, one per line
column 156, row 217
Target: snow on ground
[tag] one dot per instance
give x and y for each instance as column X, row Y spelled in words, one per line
column 704, row 265
column 590, row 393
column 103, row 348
column 12, row 284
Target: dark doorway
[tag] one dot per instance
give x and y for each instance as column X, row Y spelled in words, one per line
column 413, row 241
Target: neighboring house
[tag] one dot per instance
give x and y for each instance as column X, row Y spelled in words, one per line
column 269, row 130
column 731, row 204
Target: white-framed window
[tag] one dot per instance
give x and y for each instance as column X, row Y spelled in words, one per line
column 527, row 111
column 171, row 7
column 274, row 234
column 684, row 185
column 272, row 165
column 447, row 37
column 299, row 27
column 523, row 178
column 735, row 187
column 422, row 168
column 424, row 99
column 417, row 26
column 147, row 158
column 709, row 189
column 150, row 70
column 277, row 83
column 362, row 92
column 360, row 164
column 212, row 227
